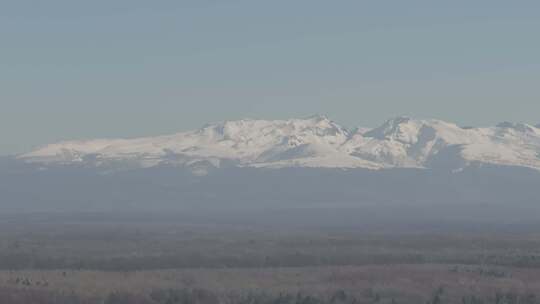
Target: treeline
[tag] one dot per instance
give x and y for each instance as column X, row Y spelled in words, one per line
column 133, row 263
column 21, row 261
column 201, row 296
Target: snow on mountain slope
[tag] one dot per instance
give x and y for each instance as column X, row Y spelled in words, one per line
column 507, row 144
column 312, row 142
column 403, row 142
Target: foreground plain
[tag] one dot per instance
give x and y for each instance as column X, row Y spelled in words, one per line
column 106, row 258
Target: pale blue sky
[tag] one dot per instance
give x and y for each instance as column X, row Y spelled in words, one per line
column 104, row 68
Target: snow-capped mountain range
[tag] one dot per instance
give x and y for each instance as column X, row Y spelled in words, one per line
column 313, row 142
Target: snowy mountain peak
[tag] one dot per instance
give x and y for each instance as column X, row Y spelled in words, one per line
column 394, row 129
column 409, row 131
column 315, row 141
column 318, row 117
column 518, row 127
column 256, row 130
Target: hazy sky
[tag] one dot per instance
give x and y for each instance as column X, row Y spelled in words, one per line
column 105, row 68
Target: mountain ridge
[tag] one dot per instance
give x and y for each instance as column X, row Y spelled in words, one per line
column 316, row 141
